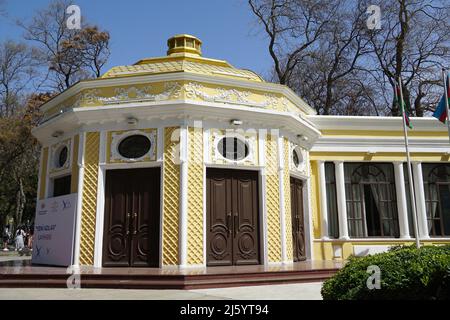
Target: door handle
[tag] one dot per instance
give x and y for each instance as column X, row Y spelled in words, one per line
column 127, row 223
column 134, row 223
column 229, row 223
column 235, row 224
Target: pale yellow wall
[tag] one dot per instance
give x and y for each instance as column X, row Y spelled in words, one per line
column 323, row 249
column 378, row 157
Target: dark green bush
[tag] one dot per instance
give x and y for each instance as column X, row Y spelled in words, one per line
column 406, row 273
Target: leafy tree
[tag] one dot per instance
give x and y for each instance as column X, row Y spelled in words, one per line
column 70, row 54
column 325, row 52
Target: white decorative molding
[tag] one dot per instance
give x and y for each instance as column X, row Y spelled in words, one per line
column 118, row 137
column 133, row 94
column 54, row 156
column 249, row 140
column 302, row 157
column 233, row 96
column 88, row 97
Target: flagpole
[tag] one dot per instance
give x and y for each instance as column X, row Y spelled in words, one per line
column 408, row 158
column 444, row 76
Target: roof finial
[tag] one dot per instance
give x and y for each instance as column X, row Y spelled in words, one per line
column 184, row 43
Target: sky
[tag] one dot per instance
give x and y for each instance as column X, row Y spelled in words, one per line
column 140, row 28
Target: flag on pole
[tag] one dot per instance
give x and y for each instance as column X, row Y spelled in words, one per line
column 441, row 111
column 404, row 107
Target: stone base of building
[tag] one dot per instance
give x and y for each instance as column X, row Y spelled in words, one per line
column 166, row 278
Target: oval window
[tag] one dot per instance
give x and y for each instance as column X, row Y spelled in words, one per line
column 134, row 147
column 233, row 148
column 62, row 157
column 297, row 158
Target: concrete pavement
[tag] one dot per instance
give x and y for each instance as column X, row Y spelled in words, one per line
column 303, row 291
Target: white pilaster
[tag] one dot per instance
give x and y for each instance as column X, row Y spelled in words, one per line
column 262, row 134
column 422, row 222
column 98, row 247
column 281, row 165
column 341, row 200
column 183, row 194
column 402, row 205
column 76, row 256
column 323, row 200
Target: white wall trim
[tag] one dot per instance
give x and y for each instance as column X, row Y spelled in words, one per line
column 100, row 214
column 402, row 206
column 262, row 196
column 281, row 164
column 76, row 259
column 323, row 199
column 419, row 190
column 308, row 219
column 183, row 76
column 373, row 123
column 183, row 195
column 341, row 200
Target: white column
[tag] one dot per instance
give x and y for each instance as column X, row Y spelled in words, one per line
column 98, row 245
column 262, row 134
column 341, row 200
column 183, row 194
column 323, row 200
column 402, row 205
column 281, row 165
column 422, row 222
column 76, row 255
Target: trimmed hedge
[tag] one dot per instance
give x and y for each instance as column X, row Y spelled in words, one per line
column 406, row 273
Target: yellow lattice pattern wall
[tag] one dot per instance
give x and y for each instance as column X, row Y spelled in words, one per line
column 171, row 175
column 287, row 199
column 89, row 201
column 195, row 197
column 43, row 177
column 272, row 201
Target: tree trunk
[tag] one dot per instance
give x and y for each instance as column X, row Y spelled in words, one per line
column 20, row 203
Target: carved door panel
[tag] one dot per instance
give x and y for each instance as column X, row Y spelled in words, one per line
column 245, row 220
column 219, row 218
column 232, row 217
column 131, row 229
column 145, row 219
column 298, row 227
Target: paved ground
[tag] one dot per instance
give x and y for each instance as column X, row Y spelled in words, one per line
column 13, row 258
column 304, row 291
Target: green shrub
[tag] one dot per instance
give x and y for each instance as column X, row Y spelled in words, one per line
column 406, row 273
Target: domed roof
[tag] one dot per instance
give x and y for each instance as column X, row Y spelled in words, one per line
column 183, row 55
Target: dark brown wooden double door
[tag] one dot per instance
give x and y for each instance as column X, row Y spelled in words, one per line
column 298, row 226
column 132, row 218
column 232, row 217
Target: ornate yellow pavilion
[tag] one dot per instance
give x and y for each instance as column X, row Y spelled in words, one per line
column 188, row 161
